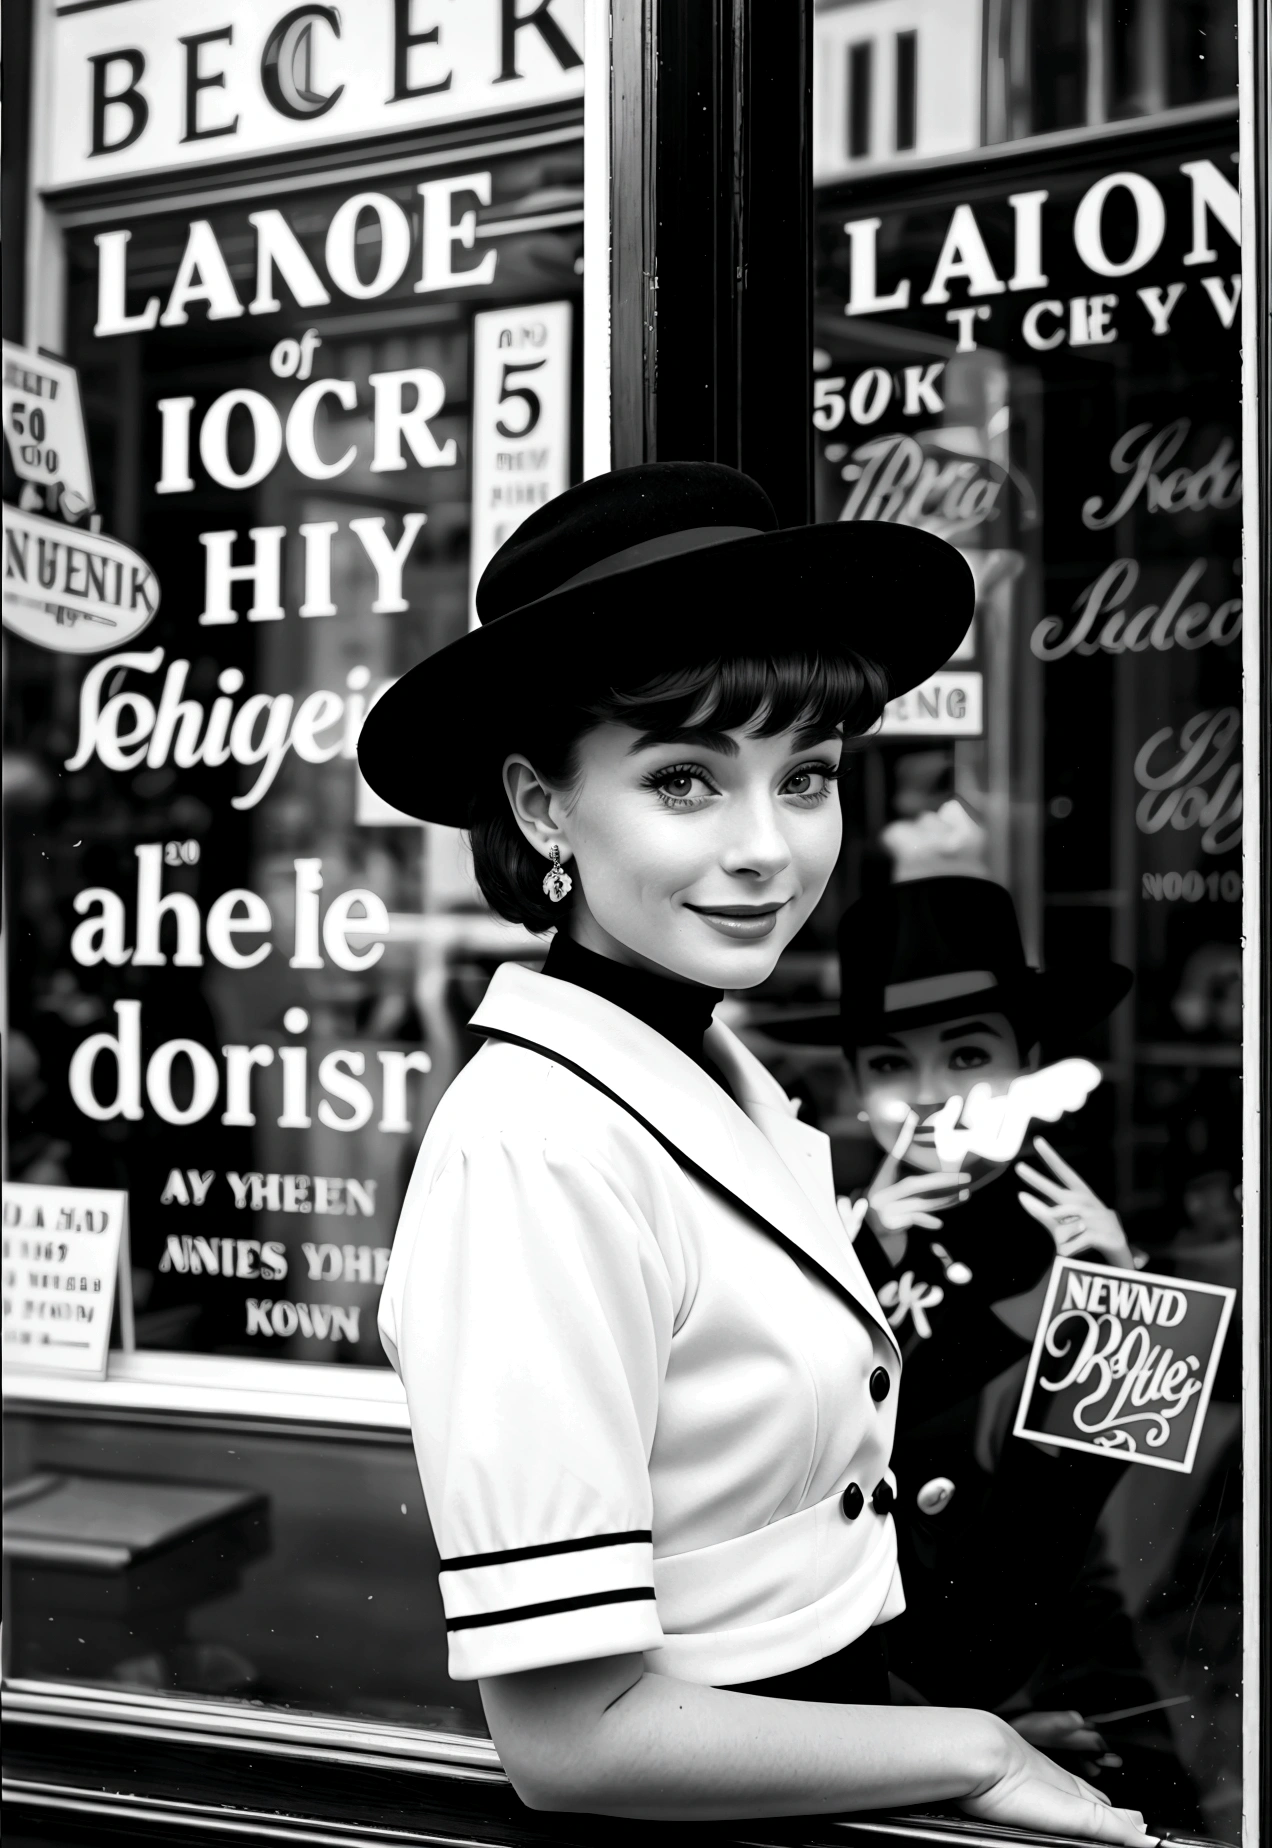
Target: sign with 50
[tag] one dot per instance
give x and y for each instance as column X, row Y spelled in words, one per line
column 45, row 427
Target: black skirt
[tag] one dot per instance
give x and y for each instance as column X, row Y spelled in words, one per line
column 855, row 1676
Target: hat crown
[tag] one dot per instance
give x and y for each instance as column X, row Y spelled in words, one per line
column 945, row 926
column 608, row 515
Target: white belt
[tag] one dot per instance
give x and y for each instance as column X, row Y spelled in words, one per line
column 777, row 1599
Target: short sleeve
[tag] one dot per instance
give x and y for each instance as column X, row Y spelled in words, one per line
column 534, row 1331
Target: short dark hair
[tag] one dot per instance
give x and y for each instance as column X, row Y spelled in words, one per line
column 770, row 695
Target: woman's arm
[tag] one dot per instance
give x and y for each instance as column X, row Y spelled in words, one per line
column 608, row 1738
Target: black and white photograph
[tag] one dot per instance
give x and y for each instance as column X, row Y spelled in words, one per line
column 635, row 808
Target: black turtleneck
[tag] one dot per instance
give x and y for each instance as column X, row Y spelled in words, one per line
column 680, row 1011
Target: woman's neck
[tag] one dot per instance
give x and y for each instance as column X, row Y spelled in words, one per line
column 584, row 930
column 681, row 1011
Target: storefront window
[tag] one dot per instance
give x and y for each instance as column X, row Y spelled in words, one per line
column 238, row 982
column 316, row 307
column 1038, row 357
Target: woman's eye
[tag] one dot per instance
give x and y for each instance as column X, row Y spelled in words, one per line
column 886, row 1064
column 967, row 1058
column 680, row 786
column 811, row 783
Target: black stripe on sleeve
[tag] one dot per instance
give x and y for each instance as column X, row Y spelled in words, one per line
column 462, row 1562
column 552, row 1608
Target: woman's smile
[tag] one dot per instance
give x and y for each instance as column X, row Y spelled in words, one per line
column 749, row 921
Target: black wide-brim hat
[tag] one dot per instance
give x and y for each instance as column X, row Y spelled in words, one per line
column 948, row 948
column 639, row 572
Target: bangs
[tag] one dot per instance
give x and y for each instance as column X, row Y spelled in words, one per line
column 813, row 695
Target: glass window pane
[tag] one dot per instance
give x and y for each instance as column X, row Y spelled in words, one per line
column 240, row 983
column 1039, row 361
column 286, row 1570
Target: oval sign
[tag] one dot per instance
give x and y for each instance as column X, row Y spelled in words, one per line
column 70, row 590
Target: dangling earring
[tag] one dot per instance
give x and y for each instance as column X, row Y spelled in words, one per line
column 556, row 881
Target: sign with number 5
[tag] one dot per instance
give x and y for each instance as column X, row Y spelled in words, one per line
column 521, row 421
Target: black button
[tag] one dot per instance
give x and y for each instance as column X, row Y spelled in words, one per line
column 883, row 1498
column 852, row 1501
column 880, row 1385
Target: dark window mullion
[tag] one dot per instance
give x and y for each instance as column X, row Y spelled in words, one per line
column 907, row 90
column 860, row 99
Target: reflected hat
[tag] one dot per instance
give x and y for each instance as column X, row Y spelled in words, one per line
column 638, row 572
column 941, row 949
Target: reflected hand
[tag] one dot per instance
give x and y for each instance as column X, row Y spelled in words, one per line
column 1067, row 1732
column 1077, row 1219
column 915, row 1201
column 896, row 1205
column 1032, row 1792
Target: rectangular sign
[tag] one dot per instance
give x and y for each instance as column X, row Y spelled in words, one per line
column 1123, row 1363
column 521, row 421
column 44, row 426
column 65, row 1249
column 164, row 84
column 949, row 705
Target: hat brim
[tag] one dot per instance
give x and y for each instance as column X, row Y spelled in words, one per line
column 895, row 595
column 1065, row 1000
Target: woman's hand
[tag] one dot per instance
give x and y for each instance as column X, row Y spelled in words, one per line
column 1067, row 1732
column 914, row 1201
column 895, row 1205
column 1076, row 1218
column 1032, row 1792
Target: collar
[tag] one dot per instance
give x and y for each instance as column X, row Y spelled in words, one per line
column 755, row 1150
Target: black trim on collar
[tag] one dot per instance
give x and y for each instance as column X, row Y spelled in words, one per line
column 789, row 1246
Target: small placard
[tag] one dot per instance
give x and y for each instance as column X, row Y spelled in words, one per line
column 949, row 705
column 521, row 423
column 44, row 426
column 65, row 1251
column 1123, row 1363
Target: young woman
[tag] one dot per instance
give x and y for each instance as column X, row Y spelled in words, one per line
column 651, row 1391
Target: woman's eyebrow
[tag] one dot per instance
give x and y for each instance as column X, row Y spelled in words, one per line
column 696, row 736
column 969, row 1026
column 702, row 738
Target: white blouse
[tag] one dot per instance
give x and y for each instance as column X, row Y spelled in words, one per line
column 651, row 1391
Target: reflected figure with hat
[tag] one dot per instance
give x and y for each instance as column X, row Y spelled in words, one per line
column 995, row 1532
column 938, row 998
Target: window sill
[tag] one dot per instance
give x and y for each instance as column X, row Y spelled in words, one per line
column 197, row 1385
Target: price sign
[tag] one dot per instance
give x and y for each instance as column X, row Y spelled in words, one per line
column 65, row 1250
column 521, row 421
column 44, row 426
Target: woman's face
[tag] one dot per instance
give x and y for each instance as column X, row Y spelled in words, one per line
column 702, row 855
column 920, row 1068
